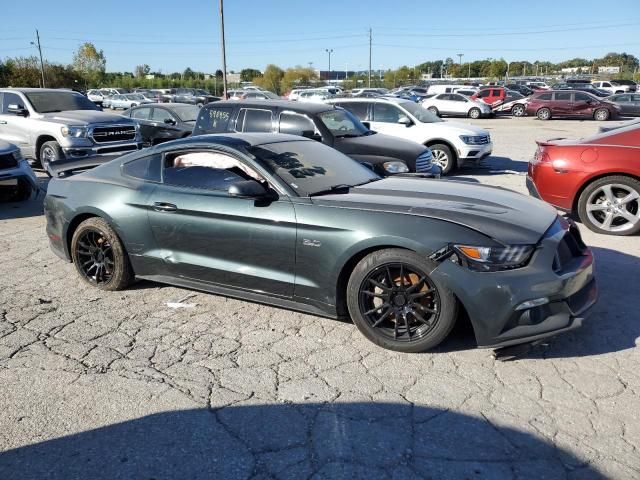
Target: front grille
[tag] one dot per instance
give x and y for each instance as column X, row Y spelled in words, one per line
column 8, row 160
column 571, row 246
column 120, row 133
column 423, row 162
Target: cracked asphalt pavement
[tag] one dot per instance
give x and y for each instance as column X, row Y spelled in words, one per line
column 120, row 386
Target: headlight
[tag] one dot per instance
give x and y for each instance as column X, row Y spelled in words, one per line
column 77, row 132
column 475, row 139
column 395, row 167
column 491, row 259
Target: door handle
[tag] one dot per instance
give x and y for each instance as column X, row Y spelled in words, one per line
column 164, row 207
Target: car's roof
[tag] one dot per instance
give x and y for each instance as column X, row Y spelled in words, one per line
column 236, row 139
column 284, row 104
column 371, row 99
column 30, row 90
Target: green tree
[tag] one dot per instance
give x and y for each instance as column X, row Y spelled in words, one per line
column 248, row 74
column 23, row 71
column 297, row 76
column 90, row 63
column 270, row 79
column 188, row 74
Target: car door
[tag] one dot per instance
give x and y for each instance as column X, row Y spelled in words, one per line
column 204, row 234
column 561, row 104
column 165, row 125
column 441, row 102
column 142, row 116
column 459, row 104
column 582, row 104
column 254, row 120
column 385, row 117
column 13, row 127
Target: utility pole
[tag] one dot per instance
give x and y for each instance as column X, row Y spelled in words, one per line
column 329, row 51
column 40, row 51
column 224, row 55
column 369, row 57
column 469, row 76
column 346, row 70
column 460, row 55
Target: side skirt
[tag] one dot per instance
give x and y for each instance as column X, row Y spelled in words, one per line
column 298, row 306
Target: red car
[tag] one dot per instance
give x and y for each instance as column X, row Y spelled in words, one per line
column 597, row 178
column 491, row 95
column 570, row 103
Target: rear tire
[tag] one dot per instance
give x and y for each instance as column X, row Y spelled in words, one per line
column 474, row 113
column 434, row 110
column 99, row 256
column 518, row 110
column 611, row 205
column 544, row 114
column 601, row 114
column 443, row 156
column 397, row 305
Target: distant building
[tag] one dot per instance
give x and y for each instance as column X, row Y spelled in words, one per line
column 327, row 75
column 583, row 69
column 608, row 69
column 233, row 78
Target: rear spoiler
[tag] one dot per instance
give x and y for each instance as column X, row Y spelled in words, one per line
column 544, row 143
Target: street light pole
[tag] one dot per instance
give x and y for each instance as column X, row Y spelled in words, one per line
column 224, row 55
column 329, row 51
column 40, row 51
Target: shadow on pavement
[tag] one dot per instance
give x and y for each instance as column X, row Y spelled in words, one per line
column 495, row 165
column 296, row 441
column 28, row 208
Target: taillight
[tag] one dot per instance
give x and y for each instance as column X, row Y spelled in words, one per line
column 541, row 156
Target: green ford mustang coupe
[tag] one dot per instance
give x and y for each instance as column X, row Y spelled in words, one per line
column 287, row 221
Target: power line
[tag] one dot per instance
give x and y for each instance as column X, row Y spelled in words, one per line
column 541, row 49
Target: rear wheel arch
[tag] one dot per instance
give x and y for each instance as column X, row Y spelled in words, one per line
column 73, row 225
column 590, row 180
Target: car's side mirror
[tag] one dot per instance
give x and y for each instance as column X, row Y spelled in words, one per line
column 17, row 110
column 169, row 121
column 367, row 124
column 406, row 121
column 247, row 189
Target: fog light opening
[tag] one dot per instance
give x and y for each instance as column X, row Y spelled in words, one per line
column 532, row 303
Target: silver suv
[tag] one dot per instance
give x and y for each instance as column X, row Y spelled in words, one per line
column 63, row 130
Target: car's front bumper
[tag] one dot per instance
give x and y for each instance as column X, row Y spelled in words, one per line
column 560, row 275
column 473, row 153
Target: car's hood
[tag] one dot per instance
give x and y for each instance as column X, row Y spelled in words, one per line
column 505, row 216
column 379, row 144
column 458, row 128
column 84, row 117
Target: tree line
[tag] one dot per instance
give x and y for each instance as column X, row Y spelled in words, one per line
column 88, row 70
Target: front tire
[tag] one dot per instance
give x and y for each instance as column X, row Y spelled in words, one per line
column 475, row 113
column 397, row 305
column 602, row 114
column 544, row 114
column 443, row 156
column 611, row 205
column 434, row 110
column 99, row 256
column 50, row 152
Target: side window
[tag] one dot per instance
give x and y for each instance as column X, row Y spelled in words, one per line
column 295, row 124
column 581, row 97
column 141, row 113
column 359, row 109
column 11, row 99
column 214, row 120
column 562, row 96
column 145, row 168
column 545, row 96
column 443, row 96
column 254, row 120
column 383, row 112
column 160, row 115
column 623, row 98
column 456, row 98
column 636, row 98
column 483, row 93
column 209, row 170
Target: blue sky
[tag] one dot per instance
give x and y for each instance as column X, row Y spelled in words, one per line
column 173, row 35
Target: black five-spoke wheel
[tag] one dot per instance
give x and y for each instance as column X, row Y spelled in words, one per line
column 396, row 304
column 400, row 301
column 99, row 256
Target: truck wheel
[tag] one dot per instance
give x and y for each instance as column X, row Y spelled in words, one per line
column 50, row 152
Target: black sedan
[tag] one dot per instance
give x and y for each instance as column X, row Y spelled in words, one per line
column 629, row 103
column 160, row 122
column 288, row 221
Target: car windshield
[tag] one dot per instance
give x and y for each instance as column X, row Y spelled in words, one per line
column 342, row 123
column 48, row 102
column 270, row 95
column 187, row 113
column 422, row 114
column 135, row 96
column 310, row 167
column 200, row 92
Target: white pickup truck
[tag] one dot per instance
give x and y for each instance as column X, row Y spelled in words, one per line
column 612, row 86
